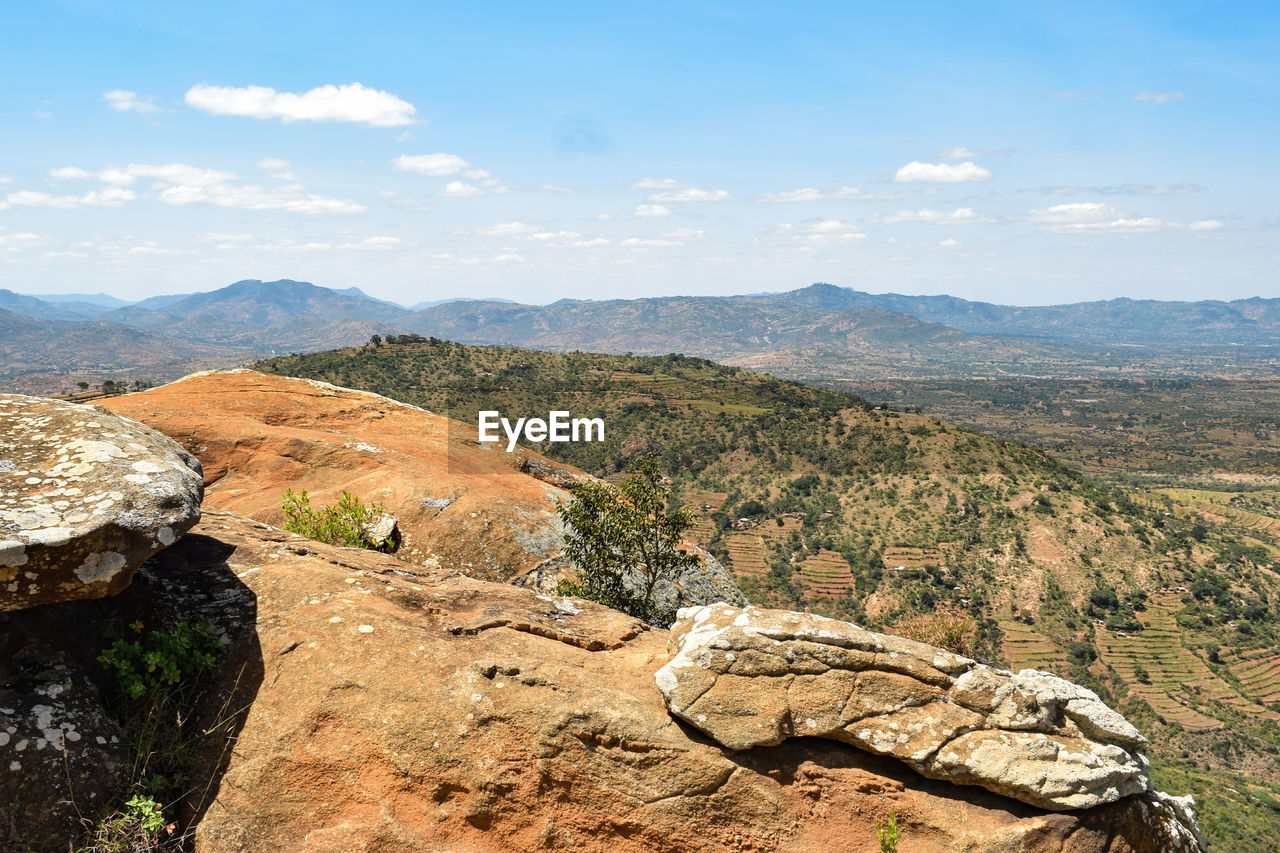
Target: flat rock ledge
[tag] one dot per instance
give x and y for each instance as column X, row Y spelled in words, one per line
column 753, row 677
column 85, row 497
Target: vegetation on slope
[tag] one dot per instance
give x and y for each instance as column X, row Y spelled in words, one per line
column 821, row 500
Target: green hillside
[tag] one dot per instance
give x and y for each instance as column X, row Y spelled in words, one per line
column 823, row 501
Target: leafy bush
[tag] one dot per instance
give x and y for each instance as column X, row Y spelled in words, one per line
column 612, row 533
column 155, row 661
column 157, row 680
column 344, row 524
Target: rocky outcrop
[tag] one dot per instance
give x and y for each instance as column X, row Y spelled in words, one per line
column 469, row 506
column 85, row 497
column 754, row 677
column 392, row 708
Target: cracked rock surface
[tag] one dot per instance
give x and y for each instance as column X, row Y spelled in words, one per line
column 755, row 677
column 85, row 497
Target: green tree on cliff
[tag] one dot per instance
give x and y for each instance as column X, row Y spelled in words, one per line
column 624, row 541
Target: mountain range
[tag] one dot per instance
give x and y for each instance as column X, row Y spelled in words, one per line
column 818, row 332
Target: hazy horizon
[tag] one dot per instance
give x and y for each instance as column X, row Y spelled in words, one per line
column 408, row 303
column 995, row 152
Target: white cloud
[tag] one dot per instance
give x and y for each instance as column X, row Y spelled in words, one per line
column 652, row 210
column 377, row 242
column 651, row 243
column 6, row 179
column 1122, row 189
column 964, row 152
column 281, row 169
column 23, row 240
column 110, row 197
column 941, row 173
column 1075, row 212
column 352, row 102
column 126, row 102
column 213, row 237
column 1158, row 97
column 459, row 189
column 826, row 232
column 506, row 229
column 1115, row 226
column 811, row 194
column 667, row 240
column 181, row 184
column 555, row 188
column 949, row 243
column 691, row 195
column 959, row 216
column 656, row 184
column 1129, row 225
column 435, row 165
column 286, row 199
column 70, row 173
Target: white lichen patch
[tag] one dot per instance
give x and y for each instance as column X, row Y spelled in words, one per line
column 101, row 567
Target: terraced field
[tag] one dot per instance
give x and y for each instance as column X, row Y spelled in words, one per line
column 1178, row 678
column 826, row 575
column 913, row 558
column 748, row 556
column 1259, row 673
column 1220, row 503
column 1026, row 648
column 770, row 530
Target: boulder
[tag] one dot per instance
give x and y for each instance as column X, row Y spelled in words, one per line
column 85, row 497
column 753, row 677
column 471, row 506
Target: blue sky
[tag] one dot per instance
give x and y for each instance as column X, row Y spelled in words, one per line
column 1013, row 152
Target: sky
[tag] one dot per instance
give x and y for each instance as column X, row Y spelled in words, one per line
column 1023, row 153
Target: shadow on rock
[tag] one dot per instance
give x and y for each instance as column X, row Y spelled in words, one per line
column 68, row 744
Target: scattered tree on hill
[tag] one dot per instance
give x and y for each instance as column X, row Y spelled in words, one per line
column 624, row 540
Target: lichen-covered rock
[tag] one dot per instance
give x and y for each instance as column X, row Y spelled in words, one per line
column 752, row 677
column 62, row 755
column 85, row 497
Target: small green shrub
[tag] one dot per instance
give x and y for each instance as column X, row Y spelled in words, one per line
column 342, row 524
column 160, row 659
column 887, row 834
column 612, row 532
column 132, row 829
